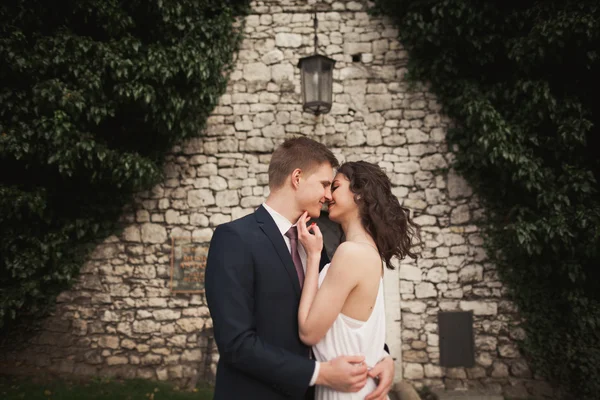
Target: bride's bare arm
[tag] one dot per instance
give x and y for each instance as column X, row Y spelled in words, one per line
column 319, row 308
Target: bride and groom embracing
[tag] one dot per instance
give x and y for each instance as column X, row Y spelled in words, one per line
column 288, row 323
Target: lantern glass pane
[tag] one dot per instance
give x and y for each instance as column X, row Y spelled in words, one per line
column 310, row 75
column 325, row 81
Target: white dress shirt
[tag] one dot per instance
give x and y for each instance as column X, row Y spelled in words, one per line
column 283, row 224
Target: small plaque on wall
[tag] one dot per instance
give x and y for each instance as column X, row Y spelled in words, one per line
column 188, row 263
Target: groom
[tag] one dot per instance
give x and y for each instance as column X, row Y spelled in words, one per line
column 254, row 274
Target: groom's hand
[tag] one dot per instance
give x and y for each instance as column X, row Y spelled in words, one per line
column 384, row 373
column 344, row 374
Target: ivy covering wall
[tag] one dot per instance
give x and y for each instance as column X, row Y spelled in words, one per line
column 520, row 80
column 93, row 94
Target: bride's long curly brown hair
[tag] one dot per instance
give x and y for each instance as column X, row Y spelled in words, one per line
column 382, row 216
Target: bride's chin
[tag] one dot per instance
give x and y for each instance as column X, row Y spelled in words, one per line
column 332, row 217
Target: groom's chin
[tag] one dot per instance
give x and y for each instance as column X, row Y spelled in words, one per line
column 314, row 213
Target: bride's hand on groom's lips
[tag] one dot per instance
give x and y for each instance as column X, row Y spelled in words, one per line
column 312, row 242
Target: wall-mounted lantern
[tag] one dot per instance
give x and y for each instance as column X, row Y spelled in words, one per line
column 316, row 73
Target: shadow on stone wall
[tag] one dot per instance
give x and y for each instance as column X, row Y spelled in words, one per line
column 207, row 370
column 38, row 352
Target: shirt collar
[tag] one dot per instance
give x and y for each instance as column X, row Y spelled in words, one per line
column 283, row 224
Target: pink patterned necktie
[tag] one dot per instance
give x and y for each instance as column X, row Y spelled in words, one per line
column 292, row 234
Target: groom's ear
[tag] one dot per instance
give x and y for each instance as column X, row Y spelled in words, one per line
column 295, row 176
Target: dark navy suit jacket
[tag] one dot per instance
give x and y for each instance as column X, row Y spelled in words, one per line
column 253, row 294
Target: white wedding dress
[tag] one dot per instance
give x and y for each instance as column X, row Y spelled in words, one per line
column 348, row 336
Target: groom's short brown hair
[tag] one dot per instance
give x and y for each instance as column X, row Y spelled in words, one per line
column 300, row 152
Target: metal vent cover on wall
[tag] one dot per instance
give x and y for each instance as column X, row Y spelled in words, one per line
column 457, row 347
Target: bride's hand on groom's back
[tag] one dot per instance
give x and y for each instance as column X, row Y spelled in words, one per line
column 344, row 374
column 312, row 242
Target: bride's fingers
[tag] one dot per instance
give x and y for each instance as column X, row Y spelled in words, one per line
column 304, row 230
column 302, row 218
column 317, row 231
column 301, row 227
column 305, row 218
column 302, row 221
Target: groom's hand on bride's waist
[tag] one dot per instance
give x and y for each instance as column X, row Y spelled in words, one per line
column 344, row 374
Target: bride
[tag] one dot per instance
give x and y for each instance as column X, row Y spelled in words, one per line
column 341, row 310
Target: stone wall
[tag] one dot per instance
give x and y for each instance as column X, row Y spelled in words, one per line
column 121, row 318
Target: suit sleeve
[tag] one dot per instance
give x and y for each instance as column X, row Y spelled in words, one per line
column 230, row 296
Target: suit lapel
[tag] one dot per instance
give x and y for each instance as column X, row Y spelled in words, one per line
column 268, row 226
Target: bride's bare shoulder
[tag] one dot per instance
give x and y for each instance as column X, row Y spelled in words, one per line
column 356, row 254
column 353, row 248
